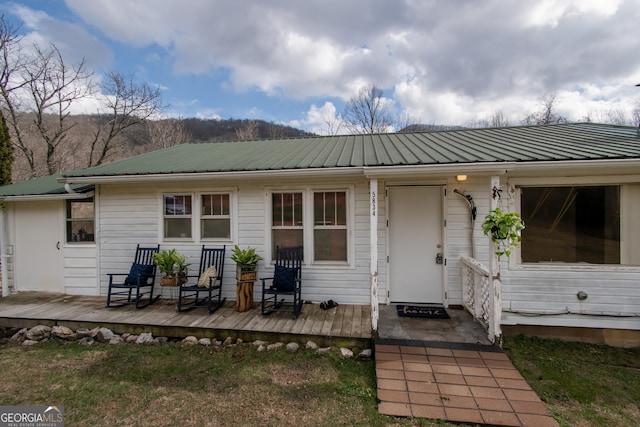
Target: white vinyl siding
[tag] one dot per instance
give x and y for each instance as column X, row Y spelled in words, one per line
column 133, row 214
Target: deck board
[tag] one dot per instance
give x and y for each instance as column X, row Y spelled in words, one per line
column 31, row 308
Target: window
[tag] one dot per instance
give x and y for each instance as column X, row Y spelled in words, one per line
column 330, row 226
column 177, row 216
column 80, row 221
column 574, row 224
column 287, row 224
column 215, row 219
column 315, row 218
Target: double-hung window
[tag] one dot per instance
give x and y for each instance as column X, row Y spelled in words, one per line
column 315, row 219
column 215, row 217
column 287, row 225
column 177, row 216
column 330, row 226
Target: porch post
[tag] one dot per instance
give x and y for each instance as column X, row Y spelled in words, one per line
column 373, row 244
column 495, row 287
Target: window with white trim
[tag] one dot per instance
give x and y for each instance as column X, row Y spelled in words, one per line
column 177, row 212
column 330, row 226
column 80, row 221
column 581, row 224
column 215, row 216
column 317, row 219
column 287, row 225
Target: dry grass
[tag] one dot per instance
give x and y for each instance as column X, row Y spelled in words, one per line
column 162, row 385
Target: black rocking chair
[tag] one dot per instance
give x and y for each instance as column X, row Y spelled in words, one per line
column 286, row 282
column 207, row 291
column 137, row 286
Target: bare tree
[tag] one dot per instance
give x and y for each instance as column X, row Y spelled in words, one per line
column 366, row 112
column 274, row 131
column 496, row 120
column 614, row 116
column 129, row 102
column 546, row 115
column 332, row 124
column 167, row 133
column 40, row 83
column 248, row 130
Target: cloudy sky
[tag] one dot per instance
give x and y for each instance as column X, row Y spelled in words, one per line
column 297, row 62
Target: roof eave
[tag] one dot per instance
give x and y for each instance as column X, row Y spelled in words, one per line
column 284, row 173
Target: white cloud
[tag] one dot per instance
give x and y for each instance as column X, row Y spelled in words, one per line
column 446, row 62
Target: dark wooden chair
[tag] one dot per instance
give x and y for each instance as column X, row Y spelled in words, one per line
column 283, row 291
column 207, row 289
column 135, row 287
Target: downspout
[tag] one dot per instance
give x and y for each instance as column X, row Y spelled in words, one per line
column 472, row 215
column 3, row 253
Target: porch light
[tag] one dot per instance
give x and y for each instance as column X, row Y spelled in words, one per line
column 461, row 178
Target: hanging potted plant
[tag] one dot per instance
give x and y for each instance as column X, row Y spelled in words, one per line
column 505, row 229
column 166, row 262
column 246, row 262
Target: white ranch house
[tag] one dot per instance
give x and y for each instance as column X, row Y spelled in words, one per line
column 382, row 218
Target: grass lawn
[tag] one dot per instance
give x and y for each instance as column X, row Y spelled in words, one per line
column 169, row 384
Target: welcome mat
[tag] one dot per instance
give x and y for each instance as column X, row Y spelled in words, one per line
column 429, row 312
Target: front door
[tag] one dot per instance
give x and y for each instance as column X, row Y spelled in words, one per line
column 415, row 244
column 38, row 246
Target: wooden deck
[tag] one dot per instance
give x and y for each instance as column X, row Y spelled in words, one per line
column 345, row 325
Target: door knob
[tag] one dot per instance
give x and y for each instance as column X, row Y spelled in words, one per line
column 440, row 258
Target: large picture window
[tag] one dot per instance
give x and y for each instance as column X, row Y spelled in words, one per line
column 287, row 227
column 177, row 216
column 215, row 218
column 330, row 226
column 80, row 221
column 573, row 224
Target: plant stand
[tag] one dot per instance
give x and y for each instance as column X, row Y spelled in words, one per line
column 244, row 288
column 244, row 295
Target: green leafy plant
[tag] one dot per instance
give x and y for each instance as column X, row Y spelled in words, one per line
column 181, row 264
column 245, row 257
column 171, row 262
column 505, row 229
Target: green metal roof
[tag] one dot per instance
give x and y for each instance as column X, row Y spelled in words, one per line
column 565, row 142
column 582, row 141
column 44, row 186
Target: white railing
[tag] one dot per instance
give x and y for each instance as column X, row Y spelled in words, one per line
column 481, row 296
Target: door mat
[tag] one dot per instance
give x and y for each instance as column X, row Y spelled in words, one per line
column 429, row 312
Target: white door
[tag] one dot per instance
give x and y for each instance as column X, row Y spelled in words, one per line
column 38, row 250
column 415, row 243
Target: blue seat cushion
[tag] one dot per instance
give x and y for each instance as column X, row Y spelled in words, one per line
column 284, row 278
column 139, row 270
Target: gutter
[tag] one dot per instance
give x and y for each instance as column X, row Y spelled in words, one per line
column 345, row 171
column 34, row 197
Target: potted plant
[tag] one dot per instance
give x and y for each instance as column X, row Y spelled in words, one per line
column 246, row 261
column 166, row 262
column 181, row 266
column 505, row 229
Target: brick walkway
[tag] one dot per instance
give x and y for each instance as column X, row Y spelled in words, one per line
column 460, row 385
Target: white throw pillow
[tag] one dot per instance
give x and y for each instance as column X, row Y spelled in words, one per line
column 203, row 281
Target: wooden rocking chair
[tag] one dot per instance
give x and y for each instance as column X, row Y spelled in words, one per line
column 137, row 286
column 207, row 291
column 286, row 282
